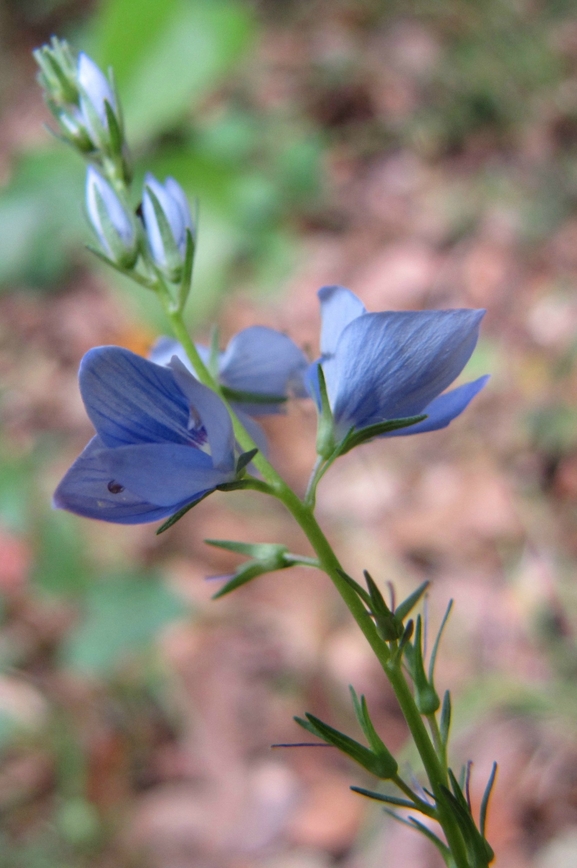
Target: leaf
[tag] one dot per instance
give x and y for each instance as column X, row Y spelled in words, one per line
column 486, row 797
column 168, row 55
column 358, row 589
column 178, row 515
column 380, row 797
column 244, row 574
column 445, row 724
column 33, row 249
column 407, row 605
column 122, row 615
column 244, row 460
column 61, row 566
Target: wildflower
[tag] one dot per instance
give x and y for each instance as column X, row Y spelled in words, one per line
column 110, row 220
column 392, row 365
column 163, row 440
column 259, row 369
column 167, row 222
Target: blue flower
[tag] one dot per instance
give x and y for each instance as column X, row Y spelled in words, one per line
column 168, row 251
column 162, row 440
column 392, row 365
column 110, row 220
column 259, row 369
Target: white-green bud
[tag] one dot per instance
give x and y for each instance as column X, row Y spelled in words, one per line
column 111, row 220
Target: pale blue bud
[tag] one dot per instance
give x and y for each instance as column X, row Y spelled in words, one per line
column 167, row 244
column 110, row 220
column 95, row 91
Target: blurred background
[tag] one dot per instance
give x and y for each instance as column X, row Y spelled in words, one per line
column 424, row 155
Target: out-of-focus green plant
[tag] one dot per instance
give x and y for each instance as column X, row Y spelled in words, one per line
column 224, row 150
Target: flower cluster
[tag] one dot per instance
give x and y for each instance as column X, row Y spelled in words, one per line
column 164, row 440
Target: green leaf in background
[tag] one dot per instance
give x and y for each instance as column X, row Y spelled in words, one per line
column 122, row 615
column 16, row 485
column 167, row 54
column 61, row 566
column 41, row 217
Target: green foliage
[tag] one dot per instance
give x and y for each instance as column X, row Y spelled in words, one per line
column 34, row 249
column 168, row 55
column 121, row 617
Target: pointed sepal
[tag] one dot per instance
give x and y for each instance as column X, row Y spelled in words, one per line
column 358, row 436
column 326, row 425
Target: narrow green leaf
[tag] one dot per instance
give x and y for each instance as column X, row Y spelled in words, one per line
column 406, row 638
column 441, row 847
column 244, row 460
column 244, row 574
column 380, row 797
column 260, row 551
column 486, row 797
column 306, row 724
column 445, row 723
column 358, row 752
column 457, row 790
column 437, row 642
column 479, row 848
column 178, row 515
column 355, row 586
column 413, row 823
column 388, row 626
column 407, row 605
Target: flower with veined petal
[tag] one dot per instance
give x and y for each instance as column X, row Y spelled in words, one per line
column 392, row 365
column 163, row 440
column 259, row 370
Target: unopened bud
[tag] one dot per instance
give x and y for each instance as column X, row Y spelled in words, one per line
column 167, row 222
column 110, row 220
column 95, row 92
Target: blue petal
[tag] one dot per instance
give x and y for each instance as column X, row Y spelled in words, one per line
column 339, row 307
column 390, row 365
column 212, row 413
column 165, row 348
column 85, row 491
column 444, row 409
column 164, row 473
column 96, row 86
column 131, row 400
column 266, row 362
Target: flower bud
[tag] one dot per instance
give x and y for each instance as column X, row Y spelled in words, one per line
column 167, row 221
column 95, row 91
column 110, row 220
column 57, row 72
column 73, row 130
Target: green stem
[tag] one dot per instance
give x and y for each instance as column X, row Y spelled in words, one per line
column 423, row 807
column 329, row 563
column 436, row 773
column 438, row 741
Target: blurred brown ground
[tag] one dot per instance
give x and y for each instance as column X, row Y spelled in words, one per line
column 485, row 510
